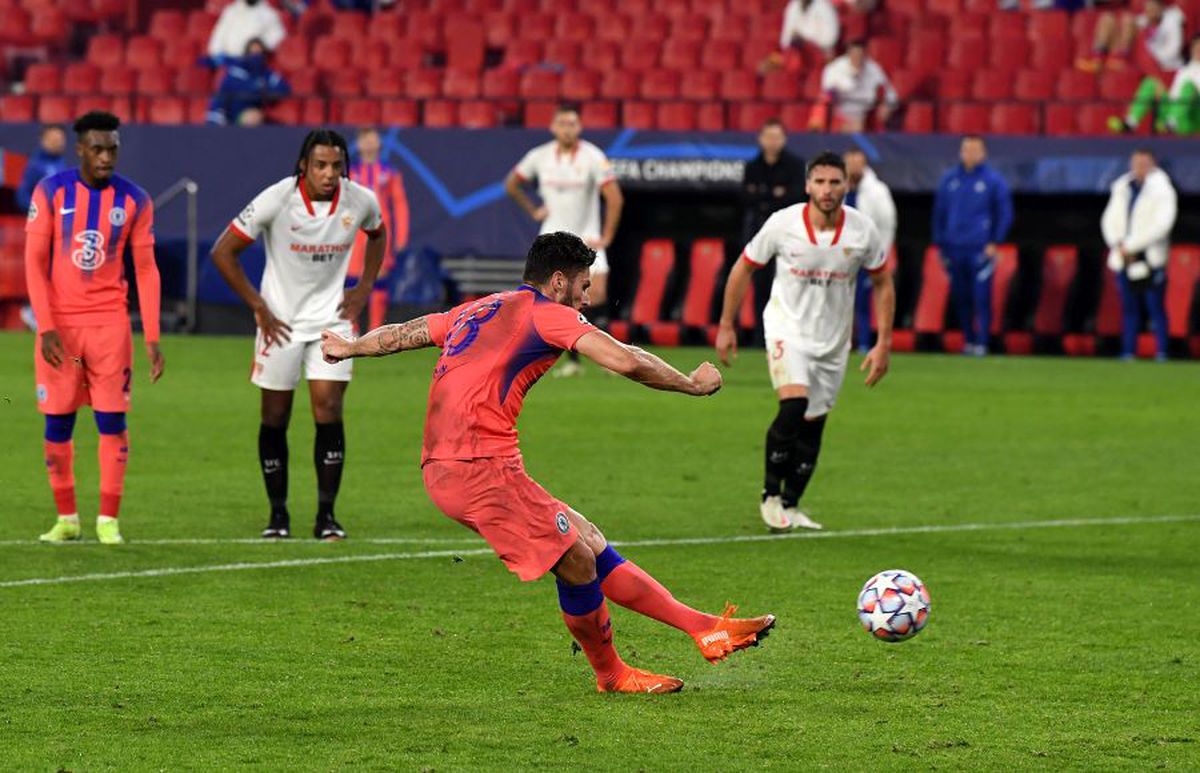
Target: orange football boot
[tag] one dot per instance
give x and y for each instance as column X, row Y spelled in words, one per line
column 637, row 680
column 731, row 634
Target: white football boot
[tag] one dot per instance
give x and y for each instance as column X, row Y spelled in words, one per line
column 773, row 514
column 799, row 519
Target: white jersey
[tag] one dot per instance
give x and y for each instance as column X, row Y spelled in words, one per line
column 569, row 184
column 812, row 297
column 308, row 248
column 875, row 200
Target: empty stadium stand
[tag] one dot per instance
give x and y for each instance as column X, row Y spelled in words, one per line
column 678, row 64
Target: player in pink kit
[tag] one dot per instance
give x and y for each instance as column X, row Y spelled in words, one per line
column 493, row 351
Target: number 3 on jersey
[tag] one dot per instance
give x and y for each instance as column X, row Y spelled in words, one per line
column 466, row 327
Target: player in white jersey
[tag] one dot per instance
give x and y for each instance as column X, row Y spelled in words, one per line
column 309, row 223
column 572, row 175
column 819, row 248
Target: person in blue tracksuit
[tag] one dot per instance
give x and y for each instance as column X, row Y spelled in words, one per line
column 48, row 159
column 972, row 212
column 248, row 84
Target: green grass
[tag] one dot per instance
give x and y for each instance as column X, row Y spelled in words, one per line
column 1065, row 647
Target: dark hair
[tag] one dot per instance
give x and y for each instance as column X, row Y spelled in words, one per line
column 859, row 42
column 366, row 130
column 323, row 137
column 767, row 124
column 826, row 158
column 566, row 107
column 50, row 127
column 973, row 137
column 1142, row 150
column 557, row 251
column 97, row 120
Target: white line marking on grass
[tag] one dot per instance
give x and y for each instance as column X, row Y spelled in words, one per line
column 287, row 564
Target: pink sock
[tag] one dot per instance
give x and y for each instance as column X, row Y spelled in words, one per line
column 60, row 465
column 633, row 589
column 113, row 452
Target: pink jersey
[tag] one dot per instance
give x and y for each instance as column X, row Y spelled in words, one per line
column 493, row 350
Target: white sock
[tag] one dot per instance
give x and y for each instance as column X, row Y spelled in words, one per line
column 100, row 519
column 72, row 519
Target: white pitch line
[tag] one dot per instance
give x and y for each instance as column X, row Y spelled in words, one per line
column 899, row 530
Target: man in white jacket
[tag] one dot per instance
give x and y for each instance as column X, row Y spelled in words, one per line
column 1137, row 228
column 242, row 21
column 852, row 85
column 871, row 196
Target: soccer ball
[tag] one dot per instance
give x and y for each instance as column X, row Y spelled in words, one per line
column 894, row 605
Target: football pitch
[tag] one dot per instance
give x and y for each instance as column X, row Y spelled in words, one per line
column 1050, row 506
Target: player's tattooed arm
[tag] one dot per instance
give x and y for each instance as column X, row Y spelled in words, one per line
column 381, row 341
column 645, row 368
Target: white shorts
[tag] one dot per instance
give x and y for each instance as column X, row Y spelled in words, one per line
column 278, row 367
column 791, row 365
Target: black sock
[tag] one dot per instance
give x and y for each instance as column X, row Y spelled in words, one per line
column 804, row 460
column 273, row 458
column 329, row 454
column 781, row 441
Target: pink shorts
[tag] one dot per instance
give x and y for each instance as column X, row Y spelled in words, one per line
column 529, row 529
column 96, row 370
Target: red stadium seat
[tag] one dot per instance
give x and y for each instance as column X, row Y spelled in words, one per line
column 349, row 26
column 562, row 53
column 681, row 55
column 992, row 86
column 721, row 56
column 710, row 117
column 691, row 28
column 639, row 55
column 948, row 8
column 795, row 116
column 426, row 27
column 477, row 114
column 440, row 114
column 1014, row 118
column 304, row 83
column 1003, row 25
column 200, row 25
column 618, row 84
column 1008, row 54
column 926, row 52
column 1075, row 86
column 580, row 85
column 465, row 47
column 1108, row 314
column 331, row 54
column 660, row 84
column 292, row 54
column 181, row 53
column 1033, row 86
column 1119, row 86
column 739, row 85
column 56, row 110
column 342, row 84
column 930, row 316
column 155, row 83
column 197, row 110
column 194, row 81
column 638, row 115
column 461, row 84
column 423, row 84
column 888, row 52
column 49, row 26
column 918, row 118
column 522, row 53
column 750, row 116
column 1006, row 264
column 285, row 112
column 399, row 113
column 536, row 26
column 1060, row 264
column 166, row 111
column 500, row 84
column 17, row 108
column 143, row 53
column 707, row 261
column 953, row 85
column 599, row 115
column 1183, row 271
column 964, row 119
column 43, row 79
column 967, row 54
column 677, row 116
column 1092, row 119
column 1049, row 25
column 1060, row 120
column 574, row 27
column 1050, row 57
column 538, row 115
column 656, row 264
column 500, row 29
column 540, row 84
column 700, row 85
column 909, row 85
column 168, row 24
column 613, row 27
column 780, row 86
column 106, row 50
